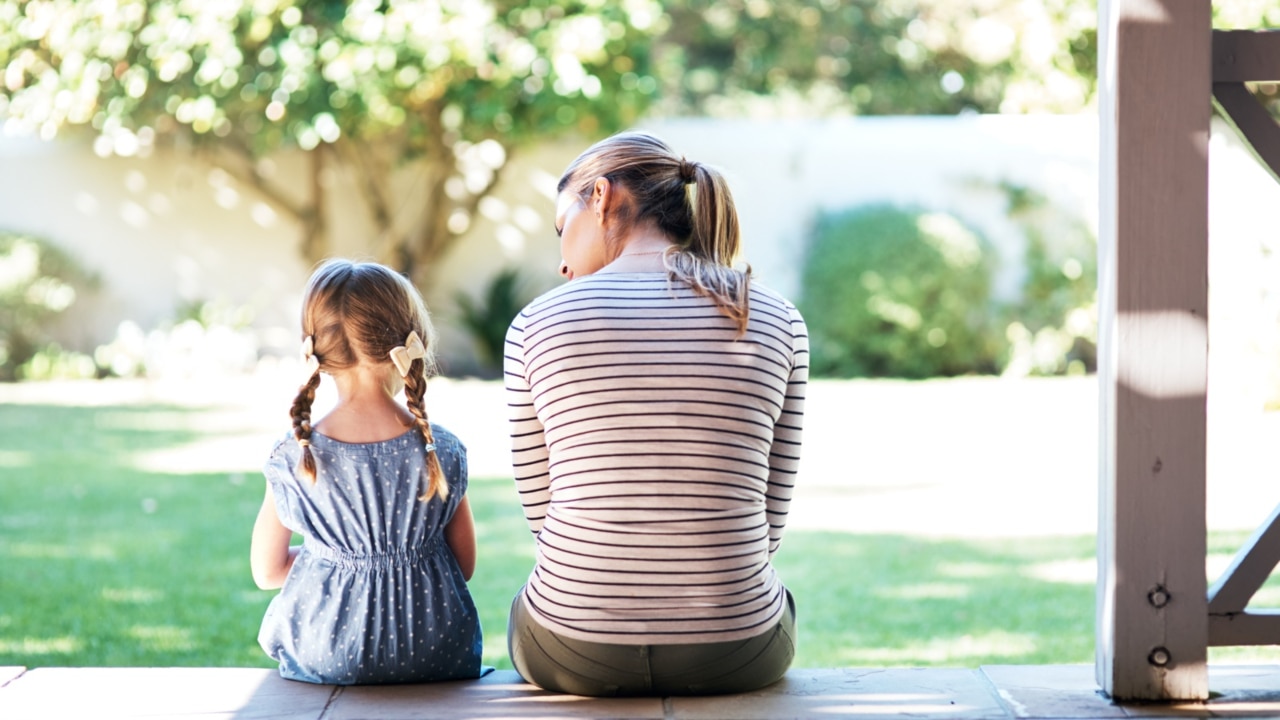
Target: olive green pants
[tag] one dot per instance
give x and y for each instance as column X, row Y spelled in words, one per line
column 560, row 664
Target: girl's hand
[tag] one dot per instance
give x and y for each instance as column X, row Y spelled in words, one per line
column 270, row 556
column 460, row 534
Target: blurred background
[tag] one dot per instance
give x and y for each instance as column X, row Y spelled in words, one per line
column 919, row 176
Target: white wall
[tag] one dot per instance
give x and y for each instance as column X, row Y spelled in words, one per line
column 169, row 229
column 784, row 173
column 157, row 231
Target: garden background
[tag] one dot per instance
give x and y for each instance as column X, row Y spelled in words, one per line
column 919, row 176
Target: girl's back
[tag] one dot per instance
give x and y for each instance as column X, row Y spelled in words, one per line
column 377, row 593
column 375, row 596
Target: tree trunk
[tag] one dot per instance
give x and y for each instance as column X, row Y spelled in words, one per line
column 315, row 226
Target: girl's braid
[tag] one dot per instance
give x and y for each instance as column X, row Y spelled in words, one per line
column 301, row 414
column 415, row 388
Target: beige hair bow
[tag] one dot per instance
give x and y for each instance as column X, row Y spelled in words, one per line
column 404, row 355
column 309, row 358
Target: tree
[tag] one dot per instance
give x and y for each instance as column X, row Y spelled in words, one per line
column 457, row 86
column 454, row 86
column 873, row 57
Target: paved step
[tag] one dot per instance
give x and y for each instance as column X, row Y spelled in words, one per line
column 998, row 691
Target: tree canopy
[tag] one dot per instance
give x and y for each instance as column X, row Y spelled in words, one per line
column 457, row 86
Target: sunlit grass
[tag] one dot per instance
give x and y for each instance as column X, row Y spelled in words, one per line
column 109, row 561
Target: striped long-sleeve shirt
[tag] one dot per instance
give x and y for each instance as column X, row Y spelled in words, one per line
column 655, row 454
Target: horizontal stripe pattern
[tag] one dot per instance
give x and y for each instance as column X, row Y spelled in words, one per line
column 655, row 454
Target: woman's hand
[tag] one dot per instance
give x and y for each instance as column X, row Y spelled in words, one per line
column 270, row 556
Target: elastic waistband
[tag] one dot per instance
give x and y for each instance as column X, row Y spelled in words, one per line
column 393, row 558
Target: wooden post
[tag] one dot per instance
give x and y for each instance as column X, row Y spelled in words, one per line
column 1154, row 89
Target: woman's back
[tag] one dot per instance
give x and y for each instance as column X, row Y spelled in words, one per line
column 671, row 444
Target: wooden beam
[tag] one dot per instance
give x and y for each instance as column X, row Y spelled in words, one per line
column 1246, row 56
column 1154, row 89
column 1251, row 121
column 1256, row 627
column 1249, row 569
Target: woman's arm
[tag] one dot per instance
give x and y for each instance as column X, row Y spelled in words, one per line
column 270, row 556
column 784, row 455
column 529, row 455
column 460, row 534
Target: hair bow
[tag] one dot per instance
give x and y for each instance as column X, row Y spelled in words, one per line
column 308, row 356
column 404, row 355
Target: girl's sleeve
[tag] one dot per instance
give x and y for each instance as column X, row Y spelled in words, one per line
column 279, row 472
column 784, row 455
column 458, row 477
column 528, row 440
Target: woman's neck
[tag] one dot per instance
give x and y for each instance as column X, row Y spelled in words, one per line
column 641, row 252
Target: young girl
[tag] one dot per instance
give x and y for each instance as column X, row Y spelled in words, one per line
column 377, row 593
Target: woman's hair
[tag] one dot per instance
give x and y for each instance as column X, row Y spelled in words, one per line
column 359, row 312
column 688, row 201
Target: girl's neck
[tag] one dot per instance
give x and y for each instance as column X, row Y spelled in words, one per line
column 367, row 409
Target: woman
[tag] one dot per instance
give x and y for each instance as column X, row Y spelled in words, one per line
column 656, row 405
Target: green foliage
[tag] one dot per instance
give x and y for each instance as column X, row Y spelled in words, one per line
column 457, row 87
column 288, row 72
column 873, row 57
column 488, row 318
column 891, row 292
column 452, row 87
column 54, row 363
column 38, row 282
column 1053, row 326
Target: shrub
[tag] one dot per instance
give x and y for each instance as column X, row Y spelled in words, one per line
column 1053, row 326
column 206, row 339
column 488, row 318
column 894, row 292
column 38, row 282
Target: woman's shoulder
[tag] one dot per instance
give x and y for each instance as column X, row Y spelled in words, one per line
column 588, row 287
column 765, row 295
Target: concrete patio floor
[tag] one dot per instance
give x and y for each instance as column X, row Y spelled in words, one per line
column 995, row 691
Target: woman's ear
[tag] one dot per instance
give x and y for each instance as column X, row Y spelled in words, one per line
column 601, row 197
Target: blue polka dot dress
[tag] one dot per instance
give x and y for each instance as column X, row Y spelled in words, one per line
column 375, row 595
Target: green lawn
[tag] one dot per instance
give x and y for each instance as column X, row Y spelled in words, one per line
column 106, row 564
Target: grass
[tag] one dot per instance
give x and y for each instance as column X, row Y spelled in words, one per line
column 105, row 563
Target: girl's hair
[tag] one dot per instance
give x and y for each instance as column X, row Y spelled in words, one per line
column 360, row 312
column 700, row 219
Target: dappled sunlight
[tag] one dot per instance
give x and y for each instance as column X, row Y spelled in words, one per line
column 139, row 596
column 209, row 455
column 971, row 570
column 51, row 551
column 1076, row 572
column 962, row 650
column 14, row 458
column 924, row 591
column 41, row 647
column 163, row 637
column 234, row 439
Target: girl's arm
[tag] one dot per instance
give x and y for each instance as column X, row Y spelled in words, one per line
column 460, row 534
column 270, row 556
